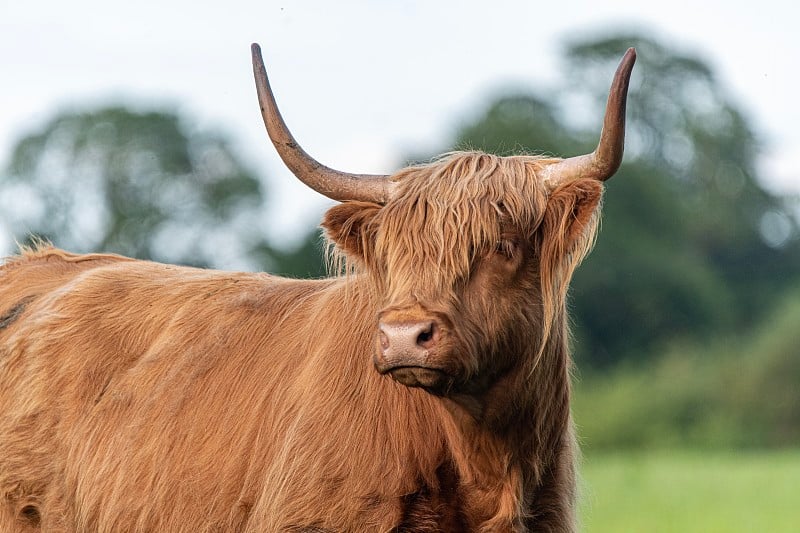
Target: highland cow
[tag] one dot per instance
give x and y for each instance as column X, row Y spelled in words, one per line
column 424, row 388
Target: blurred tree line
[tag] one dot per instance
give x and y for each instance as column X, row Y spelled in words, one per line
column 692, row 261
column 146, row 185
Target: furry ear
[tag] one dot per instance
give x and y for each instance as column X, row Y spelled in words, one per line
column 349, row 225
column 565, row 236
column 571, row 216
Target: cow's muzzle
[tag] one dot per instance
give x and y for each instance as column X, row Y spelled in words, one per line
column 407, row 352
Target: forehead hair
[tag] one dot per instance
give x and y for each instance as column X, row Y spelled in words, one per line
column 444, row 212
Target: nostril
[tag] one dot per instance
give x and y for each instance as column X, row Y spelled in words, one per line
column 426, row 337
column 384, row 339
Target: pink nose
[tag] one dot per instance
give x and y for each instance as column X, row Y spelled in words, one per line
column 408, row 340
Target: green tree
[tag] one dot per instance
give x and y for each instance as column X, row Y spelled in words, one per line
column 141, row 184
column 303, row 260
column 691, row 243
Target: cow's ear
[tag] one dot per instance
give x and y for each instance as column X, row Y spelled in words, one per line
column 350, row 226
column 570, row 218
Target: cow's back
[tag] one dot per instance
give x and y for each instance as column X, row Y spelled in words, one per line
column 36, row 272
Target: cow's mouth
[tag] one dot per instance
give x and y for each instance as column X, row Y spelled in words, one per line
column 431, row 379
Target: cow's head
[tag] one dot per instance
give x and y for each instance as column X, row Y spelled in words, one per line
column 469, row 255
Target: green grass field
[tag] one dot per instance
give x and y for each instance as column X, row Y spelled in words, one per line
column 686, row 492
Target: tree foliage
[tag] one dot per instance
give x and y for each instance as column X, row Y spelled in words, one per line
column 141, row 184
column 732, row 391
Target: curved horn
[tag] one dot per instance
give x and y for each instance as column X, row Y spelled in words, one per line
column 606, row 158
column 332, row 183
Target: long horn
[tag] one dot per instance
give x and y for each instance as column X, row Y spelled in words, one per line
column 606, row 158
column 334, row 184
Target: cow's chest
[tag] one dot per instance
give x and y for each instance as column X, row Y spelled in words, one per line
column 437, row 508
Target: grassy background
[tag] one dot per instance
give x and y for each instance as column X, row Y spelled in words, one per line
column 689, row 442
column 681, row 491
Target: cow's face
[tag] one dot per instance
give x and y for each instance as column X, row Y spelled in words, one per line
column 469, row 256
column 465, row 257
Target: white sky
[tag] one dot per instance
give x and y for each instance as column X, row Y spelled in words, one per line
column 364, row 83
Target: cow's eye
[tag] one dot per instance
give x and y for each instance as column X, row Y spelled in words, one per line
column 507, row 248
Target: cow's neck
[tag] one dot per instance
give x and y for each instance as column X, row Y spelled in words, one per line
column 505, row 440
column 522, row 402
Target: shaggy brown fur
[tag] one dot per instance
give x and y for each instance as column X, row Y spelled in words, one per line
column 136, row 396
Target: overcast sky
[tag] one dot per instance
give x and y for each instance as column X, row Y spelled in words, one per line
column 364, row 83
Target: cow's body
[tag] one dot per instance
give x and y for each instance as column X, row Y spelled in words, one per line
column 139, row 396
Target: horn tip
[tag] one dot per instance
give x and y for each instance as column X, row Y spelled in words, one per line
column 629, row 58
column 257, row 59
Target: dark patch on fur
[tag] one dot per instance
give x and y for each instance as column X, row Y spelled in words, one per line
column 431, row 511
column 14, row 313
column 30, row 513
